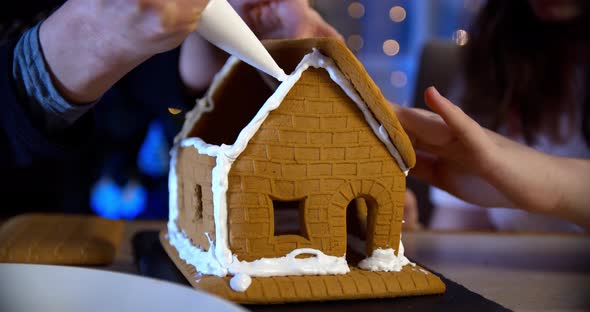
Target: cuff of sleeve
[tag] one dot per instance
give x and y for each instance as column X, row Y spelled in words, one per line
column 32, row 76
column 26, row 141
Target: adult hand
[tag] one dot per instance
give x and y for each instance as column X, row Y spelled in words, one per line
column 147, row 27
column 268, row 19
column 91, row 44
column 283, row 19
column 457, row 155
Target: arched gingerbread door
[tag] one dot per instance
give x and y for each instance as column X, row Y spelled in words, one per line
column 382, row 199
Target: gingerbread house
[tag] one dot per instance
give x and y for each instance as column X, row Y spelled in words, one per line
column 269, row 182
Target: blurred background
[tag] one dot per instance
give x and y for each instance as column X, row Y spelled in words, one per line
column 388, row 37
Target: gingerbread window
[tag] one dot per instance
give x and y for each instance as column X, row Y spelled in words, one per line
column 288, row 217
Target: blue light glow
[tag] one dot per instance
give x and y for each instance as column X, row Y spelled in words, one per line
column 110, row 201
column 153, row 157
column 133, row 201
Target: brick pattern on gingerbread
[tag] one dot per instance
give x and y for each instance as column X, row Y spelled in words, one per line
column 317, row 147
column 195, row 195
column 315, row 165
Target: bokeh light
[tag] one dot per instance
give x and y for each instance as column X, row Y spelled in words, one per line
column 397, row 14
column 356, row 10
column 398, row 79
column 390, row 47
column 355, row 42
column 461, row 37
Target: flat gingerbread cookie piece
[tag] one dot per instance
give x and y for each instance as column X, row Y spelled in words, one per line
column 60, row 239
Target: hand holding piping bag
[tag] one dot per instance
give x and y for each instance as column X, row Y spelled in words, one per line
column 110, row 38
column 277, row 19
column 222, row 25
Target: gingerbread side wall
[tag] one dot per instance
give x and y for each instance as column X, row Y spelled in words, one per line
column 195, row 197
column 316, row 148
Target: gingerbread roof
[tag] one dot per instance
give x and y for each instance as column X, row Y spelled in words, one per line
column 242, row 84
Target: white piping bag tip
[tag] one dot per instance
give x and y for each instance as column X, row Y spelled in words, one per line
column 221, row 25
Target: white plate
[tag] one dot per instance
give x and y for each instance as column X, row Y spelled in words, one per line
column 49, row 288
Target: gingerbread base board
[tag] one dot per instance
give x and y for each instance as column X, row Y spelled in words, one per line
column 358, row 284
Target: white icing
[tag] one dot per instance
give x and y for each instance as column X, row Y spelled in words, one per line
column 319, row 264
column 219, row 260
column 240, row 282
column 385, row 260
column 204, row 261
column 221, row 25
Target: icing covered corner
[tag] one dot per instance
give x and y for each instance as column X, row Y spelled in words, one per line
column 385, row 260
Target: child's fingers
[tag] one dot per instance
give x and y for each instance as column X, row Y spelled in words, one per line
column 424, row 126
column 462, row 126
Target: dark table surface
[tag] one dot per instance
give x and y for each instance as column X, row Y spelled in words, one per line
column 519, row 271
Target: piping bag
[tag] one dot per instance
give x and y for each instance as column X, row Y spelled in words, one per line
column 221, row 25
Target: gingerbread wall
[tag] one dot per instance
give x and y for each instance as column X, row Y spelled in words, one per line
column 316, row 146
column 195, row 207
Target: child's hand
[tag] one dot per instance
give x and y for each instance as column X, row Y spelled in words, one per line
column 453, row 152
column 283, row 19
column 458, row 155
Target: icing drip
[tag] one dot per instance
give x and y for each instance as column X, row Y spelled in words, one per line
column 240, row 282
column 219, row 260
column 204, row 261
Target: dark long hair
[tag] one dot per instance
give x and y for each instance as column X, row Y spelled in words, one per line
column 522, row 71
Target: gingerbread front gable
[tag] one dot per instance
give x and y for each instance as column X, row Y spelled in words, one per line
column 315, row 153
column 322, row 140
